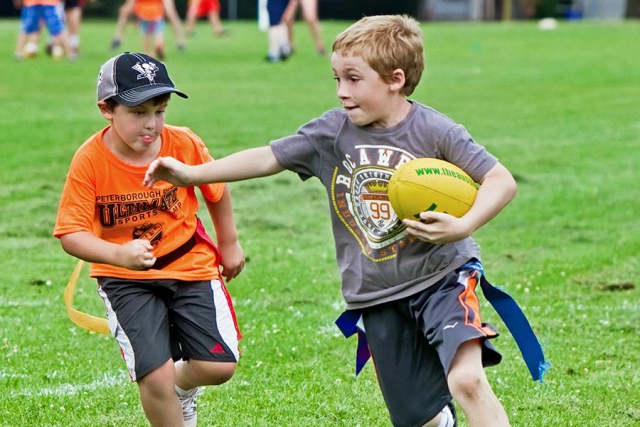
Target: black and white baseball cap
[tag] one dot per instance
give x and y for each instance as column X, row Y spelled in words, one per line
column 133, row 78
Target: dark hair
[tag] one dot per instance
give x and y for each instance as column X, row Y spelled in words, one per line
column 157, row 100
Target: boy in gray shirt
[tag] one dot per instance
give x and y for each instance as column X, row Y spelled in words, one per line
column 413, row 282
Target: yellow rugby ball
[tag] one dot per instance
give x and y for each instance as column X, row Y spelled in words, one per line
column 427, row 184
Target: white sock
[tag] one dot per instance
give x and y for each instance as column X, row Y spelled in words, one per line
column 278, row 41
column 180, row 391
column 446, row 420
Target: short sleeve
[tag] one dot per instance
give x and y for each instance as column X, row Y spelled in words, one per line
column 76, row 210
column 193, row 151
column 459, row 148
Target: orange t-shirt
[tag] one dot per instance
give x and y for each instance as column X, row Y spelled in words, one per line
column 27, row 3
column 105, row 196
column 149, row 10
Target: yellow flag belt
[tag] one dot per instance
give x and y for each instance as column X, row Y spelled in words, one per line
column 84, row 320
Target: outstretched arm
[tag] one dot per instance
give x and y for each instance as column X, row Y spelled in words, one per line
column 496, row 190
column 251, row 163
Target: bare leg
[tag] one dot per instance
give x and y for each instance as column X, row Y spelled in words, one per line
column 124, row 13
column 279, row 47
column 192, row 17
column 62, row 40
column 196, row 373
column 289, row 18
column 158, row 397
column 74, row 18
column 310, row 14
column 20, row 44
column 471, row 389
column 173, row 17
column 159, row 45
column 216, row 24
column 147, row 43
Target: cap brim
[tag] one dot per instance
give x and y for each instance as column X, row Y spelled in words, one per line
column 140, row 95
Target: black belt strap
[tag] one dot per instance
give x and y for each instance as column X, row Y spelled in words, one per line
column 166, row 259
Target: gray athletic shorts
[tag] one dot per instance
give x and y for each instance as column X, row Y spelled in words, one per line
column 156, row 320
column 413, row 342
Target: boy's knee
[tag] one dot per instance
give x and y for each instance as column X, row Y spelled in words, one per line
column 226, row 371
column 465, row 383
column 160, row 379
column 215, row 373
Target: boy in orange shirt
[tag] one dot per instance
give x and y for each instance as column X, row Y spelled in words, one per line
column 150, row 16
column 157, row 269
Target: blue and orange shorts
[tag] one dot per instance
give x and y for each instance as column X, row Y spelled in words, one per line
column 413, row 342
column 150, row 27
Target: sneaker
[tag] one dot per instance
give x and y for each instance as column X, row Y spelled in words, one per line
column 272, row 59
column 189, row 407
column 31, row 50
column 57, row 52
column 115, row 43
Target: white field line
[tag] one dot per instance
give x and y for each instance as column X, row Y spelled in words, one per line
column 106, row 381
column 12, row 303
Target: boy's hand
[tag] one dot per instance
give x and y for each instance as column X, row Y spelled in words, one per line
column 438, row 228
column 136, row 255
column 166, row 169
column 232, row 260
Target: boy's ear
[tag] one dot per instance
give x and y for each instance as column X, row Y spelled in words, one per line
column 104, row 110
column 397, row 80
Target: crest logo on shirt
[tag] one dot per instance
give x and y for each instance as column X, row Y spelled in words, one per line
column 371, row 202
column 360, row 199
column 147, row 71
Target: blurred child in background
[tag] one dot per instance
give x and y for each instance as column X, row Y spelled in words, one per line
column 310, row 15
column 33, row 14
column 209, row 9
column 73, row 18
column 150, row 16
column 170, row 12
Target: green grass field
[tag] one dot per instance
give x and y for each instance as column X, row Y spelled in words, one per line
column 560, row 110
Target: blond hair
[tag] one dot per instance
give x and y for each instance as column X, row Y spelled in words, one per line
column 386, row 43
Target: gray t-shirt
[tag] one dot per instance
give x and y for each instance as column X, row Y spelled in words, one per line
column 378, row 260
